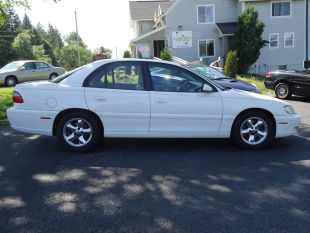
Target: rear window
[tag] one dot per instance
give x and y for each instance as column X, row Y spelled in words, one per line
column 66, row 75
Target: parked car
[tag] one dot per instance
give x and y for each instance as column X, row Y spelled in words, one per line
column 25, row 71
column 133, row 98
column 221, row 78
column 286, row 83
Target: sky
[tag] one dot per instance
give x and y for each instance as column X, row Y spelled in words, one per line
column 101, row 22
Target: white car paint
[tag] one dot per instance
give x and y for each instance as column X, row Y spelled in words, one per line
column 142, row 114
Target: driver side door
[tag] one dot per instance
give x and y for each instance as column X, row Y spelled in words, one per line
column 179, row 108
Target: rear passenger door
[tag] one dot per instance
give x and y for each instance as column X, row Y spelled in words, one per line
column 27, row 72
column 42, row 71
column 116, row 92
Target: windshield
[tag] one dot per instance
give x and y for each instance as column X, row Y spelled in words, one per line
column 66, row 75
column 208, row 72
column 12, row 66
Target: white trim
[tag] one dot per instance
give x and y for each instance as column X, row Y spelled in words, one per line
column 289, row 33
column 207, row 5
column 273, row 34
column 284, row 16
column 206, row 40
column 147, row 34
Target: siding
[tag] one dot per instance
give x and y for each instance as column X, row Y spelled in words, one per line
column 292, row 57
column 185, row 14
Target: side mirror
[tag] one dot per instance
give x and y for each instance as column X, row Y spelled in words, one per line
column 207, row 88
column 22, row 68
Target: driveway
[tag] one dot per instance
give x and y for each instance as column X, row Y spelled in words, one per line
column 155, row 185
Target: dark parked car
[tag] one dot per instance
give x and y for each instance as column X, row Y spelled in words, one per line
column 221, row 78
column 286, row 83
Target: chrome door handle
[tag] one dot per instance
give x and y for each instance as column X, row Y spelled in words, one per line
column 160, row 101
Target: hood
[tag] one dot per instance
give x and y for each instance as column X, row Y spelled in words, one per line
column 237, row 84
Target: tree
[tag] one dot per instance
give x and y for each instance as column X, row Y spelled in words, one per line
column 127, row 54
column 231, row 65
column 22, row 46
column 247, row 40
column 104, row 50
column 54, row 37
column 39, row 53
column 26, row 24
column 72, row 38
column 6, row 6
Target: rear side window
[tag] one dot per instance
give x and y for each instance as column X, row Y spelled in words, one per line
column 119, row 75
column 41, row 65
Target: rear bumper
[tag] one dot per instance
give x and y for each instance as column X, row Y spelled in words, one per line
column 269, row 84
column 287, row 125
column 32, row 121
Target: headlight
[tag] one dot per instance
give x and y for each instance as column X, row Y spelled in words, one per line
column 289, row 109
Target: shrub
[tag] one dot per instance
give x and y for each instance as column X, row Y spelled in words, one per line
column 231, row 65
column 165, row 55
column 127, row 54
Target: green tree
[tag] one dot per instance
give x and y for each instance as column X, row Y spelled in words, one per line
column 247, row 40
column 68, row 56
column 6, row 6
column 22, row 46
column 26, row 24
column 165, row 55
column 54, row 37
column 231, row 65
column 72, row 38
column 102, row 49
column 127, row 54
column 38, row 52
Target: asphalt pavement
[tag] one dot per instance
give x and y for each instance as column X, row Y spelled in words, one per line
column 135, row 185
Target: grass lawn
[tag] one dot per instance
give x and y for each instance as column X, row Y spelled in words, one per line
column 258, row 81
column 5, row 103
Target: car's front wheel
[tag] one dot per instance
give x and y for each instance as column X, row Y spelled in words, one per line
column 253, row 130
column 79, row 131
column 283, row 91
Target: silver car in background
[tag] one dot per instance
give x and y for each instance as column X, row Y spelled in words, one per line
column 26, row 71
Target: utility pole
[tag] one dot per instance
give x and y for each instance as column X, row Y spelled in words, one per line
column 307, row 33
column 116, row 52
column 78, row 40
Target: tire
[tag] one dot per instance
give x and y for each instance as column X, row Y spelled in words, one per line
column 283, row 91
column 253, row 130
column 53, row 76
column 79, row 131
column 11, row 81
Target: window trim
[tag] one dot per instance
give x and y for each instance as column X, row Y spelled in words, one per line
column 104, row 69
column 285, row 34
column 206, row 5
column 273, row 34
column 199, row 40
column 284, row 16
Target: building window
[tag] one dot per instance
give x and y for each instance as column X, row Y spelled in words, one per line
column 289, row 38
column 274, row 40
column 205, row 14
column 206, row 48
column 281, row 9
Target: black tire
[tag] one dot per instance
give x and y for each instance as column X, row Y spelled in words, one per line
column 95, row 127
column 283, row 91
column 11, row 81
column 268, row 125
column 53, row 75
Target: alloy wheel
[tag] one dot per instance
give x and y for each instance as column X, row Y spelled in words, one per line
column 254, row 131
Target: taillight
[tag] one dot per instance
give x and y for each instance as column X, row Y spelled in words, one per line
column 268, row 75
column 17, row 98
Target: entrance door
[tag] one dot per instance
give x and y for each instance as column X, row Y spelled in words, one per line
column 159, row 45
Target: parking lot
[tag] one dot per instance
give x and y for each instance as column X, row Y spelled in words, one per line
column 135, row 185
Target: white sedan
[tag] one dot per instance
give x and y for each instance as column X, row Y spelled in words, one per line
column 146, row 99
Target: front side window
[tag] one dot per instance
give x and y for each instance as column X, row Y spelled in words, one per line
column 274, row 41
column 168, row 78
column 29, row 66
column 205, row 14
column 280, row 9
column 289, row 39
column 41, row 65
column 206, row 48
column 120, row 75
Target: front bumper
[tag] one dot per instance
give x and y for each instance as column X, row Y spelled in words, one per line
column 32, row 121
column 287, row 125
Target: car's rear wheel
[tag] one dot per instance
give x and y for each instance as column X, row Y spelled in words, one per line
column 79, row 131
column 53, row 76
column 253, row 130
column 10, row 81
column 283, row 91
